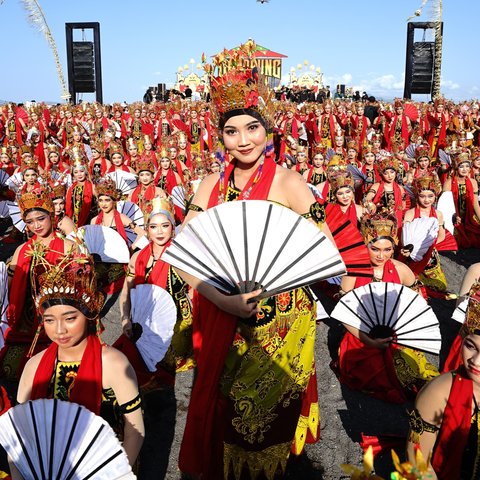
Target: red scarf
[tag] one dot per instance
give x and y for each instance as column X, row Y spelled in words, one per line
column 453, row 436
column 123, row 168
column 86, row 204
column 398, row 200
column 405, row 135
column 149, row 193
column 213, row 332
column 87, row 388
column 21, row 277
column 350, row 214
column 170, row 180
column 117, row 219
column 159, row 274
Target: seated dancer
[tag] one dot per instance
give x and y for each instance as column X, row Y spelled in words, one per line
column 38, row 214
column 238, row 344
column 98, row 165
column 147, row 266
column 55, row 162
column 146, row 190
column 117, row 158
column 166, row 177
column 111, row 275
column 378, row 367
column 77, row 366
column 30, row 174
column 429, row 271
column 63, row 225
column 80, row 199
column 445, row 421
column 422, row 166
column 317, row 174
column 465, row 197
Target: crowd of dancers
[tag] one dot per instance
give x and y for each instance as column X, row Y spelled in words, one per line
column 370, row 183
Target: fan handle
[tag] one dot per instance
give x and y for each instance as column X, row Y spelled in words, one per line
column 382, row 331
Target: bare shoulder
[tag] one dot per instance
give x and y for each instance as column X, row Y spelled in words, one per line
column 432, row 398
column 288, row 177
column 205, row 189
column 409, row 214
column 407, row 277
column 32, row 364
column 439, row 217
column 113, row 358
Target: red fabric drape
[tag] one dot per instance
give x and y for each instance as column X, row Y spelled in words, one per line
column 86, row 204
column 159, row 274
column 87, row 388
column 467, row 232
column 117, row 220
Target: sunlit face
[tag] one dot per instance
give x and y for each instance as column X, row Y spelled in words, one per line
column 339, row 141
column 471, row 356
column 426, row 198
column 98, row 113
column 351, row 153
column 344, row 196
column 106, row 203
column 159, row 229
column 137, row 113
column 182, row 144
column 132, row 150
column 79, row 174
column 147, row 146
column 117, row 159
column 76, row 136
column 377, row 144
column 172, row 153
column 476, row 162
column 145, row 177
column 30, row 176
column 68, row 114
column 245, row 138
column 399, row 110
column 59, row 204
column 389, row 175
column 4, row 158
column 95, row 154
column 165, row 163
column 360, row 111
column 39, row 223
column 463, row 170
column 193, row 114
column 423, row 163
column 214, row 167
column 301, row 157
column 440, row 108
column 65, row 325
column 54, row 158
column 380, row 251
column 34, row 116
column 163, row 114
column 289, row 114
column 318, row 160
column 369, row 158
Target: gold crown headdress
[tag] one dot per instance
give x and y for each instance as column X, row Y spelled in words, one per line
column 25, row 149
column 427, row 182
column 39, row 198
column 135, row 106
column 72, row 279
column 340, row 179
column 58, row 190
column 335, row 164
column 172, row 142
column 368, row 148
column 238, row 84
column 114, row 148
column 29, row 163
column 163, row 206
column 472, row 317
column 386, row 162
column 52, row 148
column 98, row 146
column 181, row 137
column 163, row 153
column 379, row 226
column 77, row 155
column 107, row 186
column 6, row 151
column 144, row 164
column 131, row 142
column 423, row 151
column 461, row 157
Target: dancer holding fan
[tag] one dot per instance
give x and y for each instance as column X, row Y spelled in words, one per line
column 374, row 364
column 77, row 367
column 255, row 398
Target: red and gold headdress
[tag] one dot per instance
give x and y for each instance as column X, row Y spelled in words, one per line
column 39, row 198
column 106, row 186
column 386, row 162
column 29, row 163
column 340, row 179
column 427, row 182
column 172, row 142
column 319, row 149
column 462, row 156
column 98, row 146
column 25, row 149
column 164, row 206
column 336, row 164
column 367, row 149
column 52, row 148
column 144, row 164
column 5, row 151
column 114, row 148
column 239, row 85
column 351, row 143
column 423, row 151
column 379, row 226
column 78, row 157
column 131, row 142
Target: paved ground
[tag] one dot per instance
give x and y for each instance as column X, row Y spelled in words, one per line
column 344, row 414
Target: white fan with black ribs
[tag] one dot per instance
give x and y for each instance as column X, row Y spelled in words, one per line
column 16, row 215
column 4, row 176
column 446, row 205
column 385, row 310
column 153, row 308
column 125, row 181
column 132, row 211
column 15, row 182
column 418, row 236
column 178, row 197
column 49, row 439
column 105, row 243
column 241, row 246
column 460, row 312
column 3, row 302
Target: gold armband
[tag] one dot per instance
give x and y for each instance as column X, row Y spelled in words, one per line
column 316, row 213
column 130, row 273
column 10, row 271
column 418, row 426
column 132, row 226
column 131, row 406
column 195, row 208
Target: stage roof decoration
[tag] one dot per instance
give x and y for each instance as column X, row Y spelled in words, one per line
column 305, row 75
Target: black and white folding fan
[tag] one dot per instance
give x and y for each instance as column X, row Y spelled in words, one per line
column 153, row 308
column 444, row 157
column 3, row 302
column 357, row 174
column 316, row 192
column 410, row 151
column 385, row 310
column 418, row 236
column 106, row 243
column 460, row 312
column 16, row 215
column 53, row 439
column 4, row 213
column 15, row 182
column 246, row 245
column 446, row 205
column 178, row 197
column 4, row 176
column 132, row 211
column 125, row 181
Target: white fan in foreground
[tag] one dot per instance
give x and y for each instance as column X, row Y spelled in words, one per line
column 106, row 243
column 178, row 197
column 385, row 310
column 3, row 302
column 446, row 205
column 244, row 245
column 56, row 439
column 153, row 308
column 16, row 215
column 132, row 211
column 460, row 312
column 419, row 234
column 125, row 181
column 15, row 182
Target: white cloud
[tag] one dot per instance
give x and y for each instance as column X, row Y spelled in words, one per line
column 449, row 84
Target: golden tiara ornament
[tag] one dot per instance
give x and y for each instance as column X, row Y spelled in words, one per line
column 379, row 226
column 38, row 198
column 427, row 182
column 107, row 186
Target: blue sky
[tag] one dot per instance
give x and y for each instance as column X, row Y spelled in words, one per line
column 144, row 42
